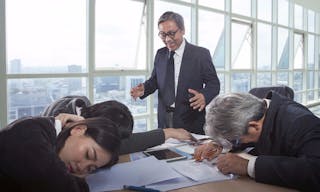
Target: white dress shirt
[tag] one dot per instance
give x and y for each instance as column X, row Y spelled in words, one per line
column 177, row 64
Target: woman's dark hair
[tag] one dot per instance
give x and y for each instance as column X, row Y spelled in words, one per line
column 104, row 131
column 114, row 110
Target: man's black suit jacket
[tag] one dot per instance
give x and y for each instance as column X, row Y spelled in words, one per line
column 197, row 72
column 288, row 147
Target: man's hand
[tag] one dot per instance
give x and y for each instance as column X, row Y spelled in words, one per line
column 197, row 101
column 232, row 163
column 207, row 151
column 180, row 134
column 137, row 91
column 66, row 118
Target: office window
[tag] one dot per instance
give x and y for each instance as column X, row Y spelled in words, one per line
column 311, row 53
column 188, row 1
column 118, row 88
column 311, row 21
column 298, row 51
column 283, row 48
column 298, row 81
column 29, row 97
column 46, row 38
column 155, row 122
column 298, row 16
column 282, row 78
column 155, row 101
column 214, row 4
column 317, row 55
column 264, row 79
column 120, row 38
column 310, row 85
column 317, row 72
column 240, row 82
column 264, row 46
column 318, row 84
column 41, row 41
column 140, row 125
column 211, row 35
column 298, row 85
column 264, row 9
column 242, row 7
column 51, row 49
column 241, row 45
column 221, row 77
column 283, row 12
column 298, row 97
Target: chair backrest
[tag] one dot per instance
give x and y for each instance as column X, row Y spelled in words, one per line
column 261, row 92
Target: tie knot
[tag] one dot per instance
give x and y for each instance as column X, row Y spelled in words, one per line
column 171, row 54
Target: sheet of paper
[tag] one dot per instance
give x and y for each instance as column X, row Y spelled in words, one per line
column 198, row 137
column 199, row 176
column 197, row 171
column 176, row 143
column 187, row 149
column 140, row 172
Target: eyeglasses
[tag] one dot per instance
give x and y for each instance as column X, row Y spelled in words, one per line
column 170, row 34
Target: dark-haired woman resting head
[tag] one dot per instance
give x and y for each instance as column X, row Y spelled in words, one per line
column 33, row 158
column 120, row 114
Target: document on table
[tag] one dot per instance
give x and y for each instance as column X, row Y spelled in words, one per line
column 153, row 173
column 195, row 173
column 139, row 173
column 176, row 143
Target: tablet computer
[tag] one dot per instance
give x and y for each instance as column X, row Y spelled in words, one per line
column 166, row 154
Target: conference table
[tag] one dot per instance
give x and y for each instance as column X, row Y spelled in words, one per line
column 240, row 184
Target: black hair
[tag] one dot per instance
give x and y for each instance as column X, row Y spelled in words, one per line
column 104, row 131
column 114, row 110
column 172, row 16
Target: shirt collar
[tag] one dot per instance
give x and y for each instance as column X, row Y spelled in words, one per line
column 78, row 111
column 268, row 101
column 180, row 50
column 58, row 126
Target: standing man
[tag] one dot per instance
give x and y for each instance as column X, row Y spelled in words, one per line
column 184, row 76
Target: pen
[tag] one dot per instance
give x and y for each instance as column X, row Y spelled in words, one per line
column 137, row 188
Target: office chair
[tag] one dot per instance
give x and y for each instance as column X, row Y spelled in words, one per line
column 261, row 92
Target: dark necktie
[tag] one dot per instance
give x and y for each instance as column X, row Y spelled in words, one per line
column 170, row 88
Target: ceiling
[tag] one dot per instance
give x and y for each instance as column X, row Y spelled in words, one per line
column 311, row 4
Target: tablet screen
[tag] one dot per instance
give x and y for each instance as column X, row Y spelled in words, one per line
column 165, row 154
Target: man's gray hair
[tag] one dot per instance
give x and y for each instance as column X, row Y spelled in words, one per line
column 172, row 16
column 228, row 115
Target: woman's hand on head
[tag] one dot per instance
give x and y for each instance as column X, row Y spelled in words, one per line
column 207, row 151
column 67, row 118
column 178, row 133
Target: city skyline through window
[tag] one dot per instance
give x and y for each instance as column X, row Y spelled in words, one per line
column 78, row 47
